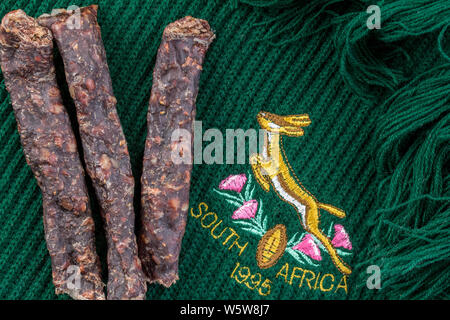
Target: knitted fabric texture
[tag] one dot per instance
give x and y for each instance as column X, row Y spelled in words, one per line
column 377, row 148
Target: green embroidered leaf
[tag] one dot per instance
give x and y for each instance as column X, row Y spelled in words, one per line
column 330, row 229
column 252, row 193
column 260, row 229
column 308, row 260
column 293, row 241
column 264, row 225
column 290, row 242
column 302, row 258
column 296, row 256
column 246, row 195
column 255, row 223
column 343, row 253
column 228, row 196
column 258, row 220
column 247, row 187
column 319, row 244
column 233, row 202
column 243, row 223
column 250, row 178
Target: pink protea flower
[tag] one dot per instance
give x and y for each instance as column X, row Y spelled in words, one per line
column 341, row 238
column 309, row 247
column 247, row 211
column 234, row 183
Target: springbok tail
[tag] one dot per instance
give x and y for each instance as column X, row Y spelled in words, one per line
column 333, row 210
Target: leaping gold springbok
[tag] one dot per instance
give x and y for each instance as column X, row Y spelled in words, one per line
column 272, row 169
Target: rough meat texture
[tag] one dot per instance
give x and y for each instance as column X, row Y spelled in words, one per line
column 105, row 149
column 165, row 184
column 51, row 152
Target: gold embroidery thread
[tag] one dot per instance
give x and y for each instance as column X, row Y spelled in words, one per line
column 272, row 169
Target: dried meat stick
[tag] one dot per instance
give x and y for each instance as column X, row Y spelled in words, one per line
column 165, row 183
column 105, row 149
column 50, row 150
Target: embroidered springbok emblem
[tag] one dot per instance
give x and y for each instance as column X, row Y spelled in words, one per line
column 271, row 168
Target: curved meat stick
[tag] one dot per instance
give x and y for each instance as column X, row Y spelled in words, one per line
column 51, row 152
column 105, row 149
column 165, row 184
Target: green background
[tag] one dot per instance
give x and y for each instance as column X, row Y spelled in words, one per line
column 241, row 77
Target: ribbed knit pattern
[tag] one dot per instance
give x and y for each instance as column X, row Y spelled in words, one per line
column 242, row 76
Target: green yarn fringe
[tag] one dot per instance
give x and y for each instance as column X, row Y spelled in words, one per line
column 271, row 3
column 413, row 222
column 370, row 58
column 292, row 20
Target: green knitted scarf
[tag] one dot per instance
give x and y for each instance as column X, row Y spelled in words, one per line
column 377, row 148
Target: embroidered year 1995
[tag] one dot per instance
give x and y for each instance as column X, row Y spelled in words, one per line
column 272, row 171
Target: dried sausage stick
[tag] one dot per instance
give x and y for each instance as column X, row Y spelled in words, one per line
column 165, row 184
column 105, row 149
column 51, row 152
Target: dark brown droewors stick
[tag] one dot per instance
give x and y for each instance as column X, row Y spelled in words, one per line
column 51, row 151
column 165, row 184
column 105, row 149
